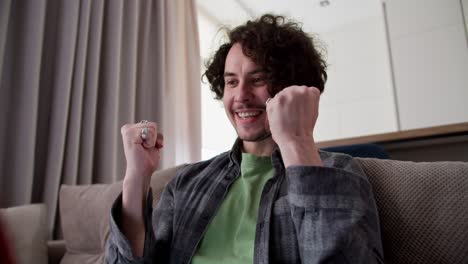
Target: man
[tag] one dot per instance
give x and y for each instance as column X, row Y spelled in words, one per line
column 274, row 198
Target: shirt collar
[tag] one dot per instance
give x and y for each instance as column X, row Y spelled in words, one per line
column 235, row 156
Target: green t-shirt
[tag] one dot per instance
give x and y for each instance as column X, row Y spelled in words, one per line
column 230, row 236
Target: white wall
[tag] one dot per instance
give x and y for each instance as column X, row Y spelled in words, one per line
column 218, row 134
column 430, row 56
column 358, row 98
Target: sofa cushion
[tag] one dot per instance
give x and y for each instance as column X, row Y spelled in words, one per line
column 26, row 227
column 423, row 209
column 84, row 214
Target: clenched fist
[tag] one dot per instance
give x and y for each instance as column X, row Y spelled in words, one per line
column 292, row 115
column 142, row 153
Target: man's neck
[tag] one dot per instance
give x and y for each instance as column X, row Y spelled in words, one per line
column 259, row 148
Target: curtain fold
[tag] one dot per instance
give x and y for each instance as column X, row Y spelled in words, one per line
column 73, row 72
column 182, row 69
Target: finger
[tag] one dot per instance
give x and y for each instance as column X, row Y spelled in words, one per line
column 159, row 141
column 315, row 95
column 316, row 90
column 269, row 104
column 146, row 133
column 148, row 141
column 147, row 124
column 132, row 134
column 151, row 142
column 269, row 101
column 269, row 108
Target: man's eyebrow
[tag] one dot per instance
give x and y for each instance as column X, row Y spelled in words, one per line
column 252, row 72
column 259, row 70
column 229, row 74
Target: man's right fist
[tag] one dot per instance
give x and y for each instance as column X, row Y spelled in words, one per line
column 142, row 153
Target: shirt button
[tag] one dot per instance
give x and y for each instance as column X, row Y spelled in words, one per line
column 230, row 175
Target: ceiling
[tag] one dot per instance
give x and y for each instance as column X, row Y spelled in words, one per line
column 315, row 17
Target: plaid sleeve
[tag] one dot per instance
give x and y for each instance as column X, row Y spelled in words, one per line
column 334, row 213
column 118, row 249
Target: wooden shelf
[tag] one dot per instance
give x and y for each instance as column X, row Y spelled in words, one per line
column 400, row 135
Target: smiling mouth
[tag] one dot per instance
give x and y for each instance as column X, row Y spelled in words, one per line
column 248, row 114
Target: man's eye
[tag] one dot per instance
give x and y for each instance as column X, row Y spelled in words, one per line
column 258, row 80
column 231, row 82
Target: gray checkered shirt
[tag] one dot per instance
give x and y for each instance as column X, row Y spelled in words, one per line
column 307, row 214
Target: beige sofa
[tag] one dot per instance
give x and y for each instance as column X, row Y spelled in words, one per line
column 423, row 211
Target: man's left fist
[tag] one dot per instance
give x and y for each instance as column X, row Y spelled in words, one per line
column 292, row 114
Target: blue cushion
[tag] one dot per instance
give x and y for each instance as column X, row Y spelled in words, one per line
column 361, row 151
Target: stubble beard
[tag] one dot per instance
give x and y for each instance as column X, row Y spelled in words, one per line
column 265, row 134
column 256, row 138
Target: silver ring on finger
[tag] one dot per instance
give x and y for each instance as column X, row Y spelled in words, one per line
column 144, row 133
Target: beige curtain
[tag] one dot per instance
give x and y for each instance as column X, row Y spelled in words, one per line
column 72, row 72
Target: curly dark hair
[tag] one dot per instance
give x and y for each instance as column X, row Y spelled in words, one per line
column 288, row 55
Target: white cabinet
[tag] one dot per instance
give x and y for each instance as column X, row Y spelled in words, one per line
column 358, row 98
column 430, row 61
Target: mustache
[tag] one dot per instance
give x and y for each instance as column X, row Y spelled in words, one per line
column 248, row 105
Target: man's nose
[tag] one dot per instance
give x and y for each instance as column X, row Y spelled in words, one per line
column 244, row 93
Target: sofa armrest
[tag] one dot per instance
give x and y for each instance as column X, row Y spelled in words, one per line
column 56, row 250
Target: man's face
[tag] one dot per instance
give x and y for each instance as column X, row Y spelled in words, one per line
column 245, row 93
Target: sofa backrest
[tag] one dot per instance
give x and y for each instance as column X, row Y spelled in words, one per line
column 84, row 216
column 423, row 208
column 423, row 211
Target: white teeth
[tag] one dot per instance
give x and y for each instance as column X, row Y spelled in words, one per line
column 248, row 114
